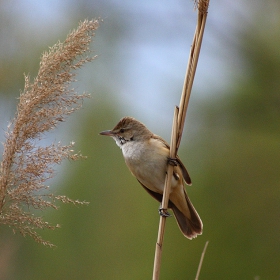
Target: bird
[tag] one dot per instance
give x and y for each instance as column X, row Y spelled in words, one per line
column 147, row 157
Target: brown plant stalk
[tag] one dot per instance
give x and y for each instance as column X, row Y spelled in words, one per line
column 178, row 122
column 201, row 260
column 44, row 102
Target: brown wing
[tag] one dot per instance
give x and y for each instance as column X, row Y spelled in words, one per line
column 156, row 195
column 184, row 171
column 186, row 175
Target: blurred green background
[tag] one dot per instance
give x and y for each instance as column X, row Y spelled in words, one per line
column 230, row 144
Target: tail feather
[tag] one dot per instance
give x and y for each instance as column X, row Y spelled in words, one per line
column 189, row 227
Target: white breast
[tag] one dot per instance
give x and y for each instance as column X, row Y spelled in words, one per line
column 147, row 161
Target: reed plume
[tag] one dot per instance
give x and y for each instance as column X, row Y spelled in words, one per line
column 27, row 164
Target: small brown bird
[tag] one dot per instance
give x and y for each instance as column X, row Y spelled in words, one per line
column 147, row 155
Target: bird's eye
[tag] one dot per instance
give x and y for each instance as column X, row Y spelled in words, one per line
column 122, row 130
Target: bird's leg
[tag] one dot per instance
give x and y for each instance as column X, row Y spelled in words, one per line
column 163, row 212
column 172, row 161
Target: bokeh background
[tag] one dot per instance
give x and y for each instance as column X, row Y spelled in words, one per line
column 230, row 143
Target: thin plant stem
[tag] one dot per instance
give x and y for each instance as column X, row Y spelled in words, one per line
column 165, row 198
column 178, row 123
column 202, row 7
column 201, row 260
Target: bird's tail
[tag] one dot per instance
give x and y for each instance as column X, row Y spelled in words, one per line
column 190, row 227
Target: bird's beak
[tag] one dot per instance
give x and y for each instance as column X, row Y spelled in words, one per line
column 107, row 133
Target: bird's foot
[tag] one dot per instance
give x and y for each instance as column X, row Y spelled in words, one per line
column 163, row 212
column 172, row 161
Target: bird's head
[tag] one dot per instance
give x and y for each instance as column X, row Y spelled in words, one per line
column 128, row 129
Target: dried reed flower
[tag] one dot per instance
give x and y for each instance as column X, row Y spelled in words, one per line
column 26, row 166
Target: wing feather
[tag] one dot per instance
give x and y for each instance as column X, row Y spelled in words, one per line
column 186, row 175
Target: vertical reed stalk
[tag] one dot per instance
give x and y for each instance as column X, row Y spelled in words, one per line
column 178, row 122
